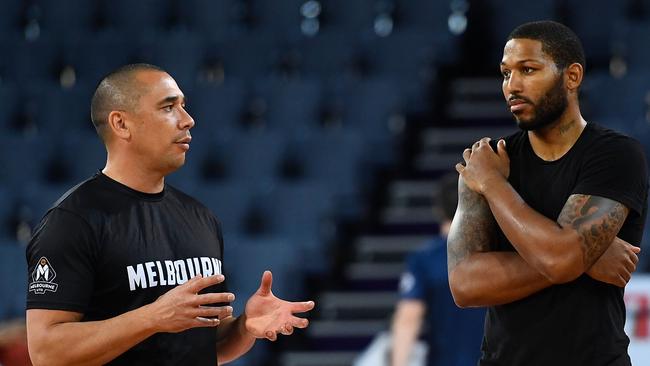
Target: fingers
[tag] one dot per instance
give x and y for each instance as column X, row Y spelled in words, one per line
column 287, row 329
column 301, row 323
column 267, row 282
column 501, row 148
column 199, row 282
column 467, row 153
column 271, row 336
column 213, row 298
column 460, row 168
column 205, row 322
column 213, row 312
column 301, row 307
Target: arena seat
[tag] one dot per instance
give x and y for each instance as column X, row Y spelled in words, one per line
column 217, row 108
column 293, row 105
column 214, row 18
column 256, row 157
column 256, row 59
column 181, row 54
column 145, row 16
column 13, row 280
column 11, row 16
column 94, row 55
column 65, row 18
column 228, row 202
column 333, row 45
column 593, row 32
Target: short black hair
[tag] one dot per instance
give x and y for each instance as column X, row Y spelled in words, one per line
column 117, row 91
column 448, row 195
column 558, row 41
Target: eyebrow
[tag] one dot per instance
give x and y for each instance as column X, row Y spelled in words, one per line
column 172, row 99
column 524, row 61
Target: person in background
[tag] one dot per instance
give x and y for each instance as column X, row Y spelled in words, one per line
column 453, row 334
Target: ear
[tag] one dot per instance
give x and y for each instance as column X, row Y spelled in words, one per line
column 118, row 126
column 574, row 74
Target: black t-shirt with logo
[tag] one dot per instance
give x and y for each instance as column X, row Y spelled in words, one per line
column 105, row 249
column 580, row 322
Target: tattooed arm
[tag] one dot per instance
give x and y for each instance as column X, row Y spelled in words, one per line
column 561, row 250
column 478, row 276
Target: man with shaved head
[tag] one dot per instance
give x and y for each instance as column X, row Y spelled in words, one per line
column 134, row 265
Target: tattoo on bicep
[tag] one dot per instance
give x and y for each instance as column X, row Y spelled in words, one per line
column 596, row 219
column 472, row 229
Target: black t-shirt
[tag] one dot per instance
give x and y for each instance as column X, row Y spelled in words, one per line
column 105, row 249
column 580, row 322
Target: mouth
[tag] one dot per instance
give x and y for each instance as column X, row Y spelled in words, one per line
column 517, row 104
column 184, row 143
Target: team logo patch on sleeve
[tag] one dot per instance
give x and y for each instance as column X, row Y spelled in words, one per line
column 43, row 277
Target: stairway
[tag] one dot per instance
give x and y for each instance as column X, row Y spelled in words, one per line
column 351, row 312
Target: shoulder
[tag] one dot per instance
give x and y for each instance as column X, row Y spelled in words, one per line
column 189, row 203
column 81, row 197
column 610, row 149
column 514, row 142
column 602, row 139
column 184, row 199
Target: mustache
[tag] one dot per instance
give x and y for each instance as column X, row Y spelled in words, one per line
column 521, row 97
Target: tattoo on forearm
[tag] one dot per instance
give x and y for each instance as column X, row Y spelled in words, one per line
column 596, row 219
column 473, row 227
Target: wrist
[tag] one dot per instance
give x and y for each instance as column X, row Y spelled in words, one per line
column 145, row 317
column 492, row 183
column 242, row 328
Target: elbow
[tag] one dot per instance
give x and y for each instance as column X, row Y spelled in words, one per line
column 562, row 270
column 461, row 290
column 40, row 357
column 41, row 354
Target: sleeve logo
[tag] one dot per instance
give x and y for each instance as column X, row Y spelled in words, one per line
column 43, row 277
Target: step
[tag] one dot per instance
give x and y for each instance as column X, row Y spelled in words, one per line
column 368, row 248
column 357, row 305
column 332, row 358
column 346, row 328
column 357, row 271
column 436, row 137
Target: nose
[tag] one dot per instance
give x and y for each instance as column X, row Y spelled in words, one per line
column 186, row 120
column 512, row 85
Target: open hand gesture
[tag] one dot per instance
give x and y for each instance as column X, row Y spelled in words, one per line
column 266, row 315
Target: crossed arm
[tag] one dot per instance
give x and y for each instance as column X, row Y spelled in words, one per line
column 548, row 252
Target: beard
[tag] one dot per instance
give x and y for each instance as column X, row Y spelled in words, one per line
column 548, row 110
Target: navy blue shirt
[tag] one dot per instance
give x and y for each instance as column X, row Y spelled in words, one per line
column 454, row 334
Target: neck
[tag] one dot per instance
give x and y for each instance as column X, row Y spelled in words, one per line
column 553, row 141
column 133, row 175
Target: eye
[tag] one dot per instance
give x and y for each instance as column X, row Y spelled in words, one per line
column 528, row 70
column 505, row 73
column 168, row 108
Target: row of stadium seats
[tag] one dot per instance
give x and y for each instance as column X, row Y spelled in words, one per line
column 218, row 16
column 191, row 57
column 372, row 106
column 322, row 157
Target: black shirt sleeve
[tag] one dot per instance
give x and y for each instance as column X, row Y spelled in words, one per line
column 61, row 262
column 615, row 168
